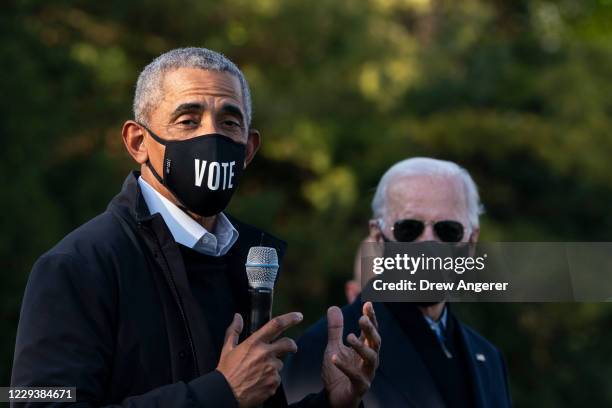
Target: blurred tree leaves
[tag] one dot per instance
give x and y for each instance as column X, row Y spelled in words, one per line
column 517, row 92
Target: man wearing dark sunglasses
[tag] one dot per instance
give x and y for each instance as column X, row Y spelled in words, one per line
column 429, row 358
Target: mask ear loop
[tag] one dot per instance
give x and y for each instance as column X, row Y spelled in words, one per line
column 148, row 163
column 155, row 174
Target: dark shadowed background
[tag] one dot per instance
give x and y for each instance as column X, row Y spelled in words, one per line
column 518, row 92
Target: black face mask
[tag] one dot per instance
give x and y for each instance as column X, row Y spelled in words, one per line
column 430, row 249
column 201, row 172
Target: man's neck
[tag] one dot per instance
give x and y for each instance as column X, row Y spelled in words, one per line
column 207, row 222
column 434, row 312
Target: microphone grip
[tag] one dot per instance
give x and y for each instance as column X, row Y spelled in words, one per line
column 261, row 308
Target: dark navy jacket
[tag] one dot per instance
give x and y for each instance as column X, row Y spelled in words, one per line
column 109, row 310
column 402, row 379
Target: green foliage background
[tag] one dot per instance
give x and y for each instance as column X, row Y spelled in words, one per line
column 518, row 92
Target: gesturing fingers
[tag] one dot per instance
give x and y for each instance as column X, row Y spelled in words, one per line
column 233, row 332
column 277, row 364
column 369, row 333
column 283, row 346
column 276, row 326
column 368, row 355
column 335, row 325
column 359, row 381
column 368, row 310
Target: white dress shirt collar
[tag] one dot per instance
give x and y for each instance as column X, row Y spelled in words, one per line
column 185, row 230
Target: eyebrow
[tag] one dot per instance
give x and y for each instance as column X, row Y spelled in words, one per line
column 233, row 109
column 187, row 107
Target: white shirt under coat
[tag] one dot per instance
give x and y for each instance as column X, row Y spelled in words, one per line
column 187, row 231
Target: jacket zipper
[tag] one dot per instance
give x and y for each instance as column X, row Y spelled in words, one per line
column 184, row 318
column 170, row 278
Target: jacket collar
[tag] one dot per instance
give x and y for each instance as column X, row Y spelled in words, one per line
column 130, row 203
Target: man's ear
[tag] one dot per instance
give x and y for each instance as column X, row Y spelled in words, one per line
column 133, row 138
column 474, row 235
column 253, row 142
column 375, row 233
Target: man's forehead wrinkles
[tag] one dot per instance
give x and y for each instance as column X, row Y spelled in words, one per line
column 209, row 90
column 202, row 94
column 215, row 84
column 212, row 90
column 421, row 200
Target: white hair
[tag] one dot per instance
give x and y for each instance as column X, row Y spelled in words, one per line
column 425, row 166
column 150, row 80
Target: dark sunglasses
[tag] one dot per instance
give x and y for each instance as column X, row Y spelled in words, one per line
column 409, row 230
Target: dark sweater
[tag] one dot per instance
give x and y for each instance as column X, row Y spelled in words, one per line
column 212, row 288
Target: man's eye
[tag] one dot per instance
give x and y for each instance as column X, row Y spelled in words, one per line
column 232, row 123
column 188, row 122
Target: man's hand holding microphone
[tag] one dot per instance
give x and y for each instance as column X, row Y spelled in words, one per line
column 252, row 368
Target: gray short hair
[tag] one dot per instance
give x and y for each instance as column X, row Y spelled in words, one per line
column 424, row 166
column 151, row 78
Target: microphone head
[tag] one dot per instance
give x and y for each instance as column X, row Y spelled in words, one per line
column 261, row 267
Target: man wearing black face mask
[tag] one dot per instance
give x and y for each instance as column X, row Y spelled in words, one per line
column 142, row 306
column 430, row 359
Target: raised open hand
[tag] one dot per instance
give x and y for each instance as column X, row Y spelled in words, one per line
column 348, row 371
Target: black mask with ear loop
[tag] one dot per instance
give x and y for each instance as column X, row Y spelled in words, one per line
column 202, row 172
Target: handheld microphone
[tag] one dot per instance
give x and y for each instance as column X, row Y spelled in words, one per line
column 261, row 268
